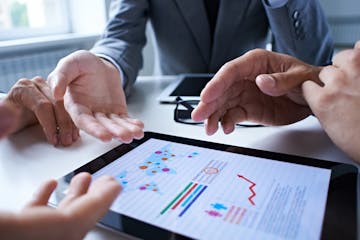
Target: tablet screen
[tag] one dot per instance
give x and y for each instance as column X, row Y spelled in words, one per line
column 191, row 86
column 188, row 86
column 211, row 194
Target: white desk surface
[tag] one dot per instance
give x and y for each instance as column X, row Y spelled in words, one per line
column 26, row 159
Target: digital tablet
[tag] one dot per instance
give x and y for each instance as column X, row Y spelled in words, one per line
column 178, row 188
column 188, row 86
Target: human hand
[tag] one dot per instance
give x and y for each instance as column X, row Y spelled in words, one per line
column 260, row 86
column 34, row 102
column 76, row 214
column 94, row 97
column 9, row 118
column 336, row 104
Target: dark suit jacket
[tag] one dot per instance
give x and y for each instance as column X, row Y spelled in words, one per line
column 182, row 36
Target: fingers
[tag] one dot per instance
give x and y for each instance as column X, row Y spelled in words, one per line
column 119, row 127
column 311, row 92
column 212, row 123
column 36, row 96
column 231, row 118
column 204, row 110
column 278, row 84
column 98, row 109
column 100, row 196
column 65, row 131
column 320, row 97
column 213, row 112
column 105, row 127
column 25, row 93
column 136, row 122
column 243, row 68
column 90, row 204
column 283, row 73
column 348, row 59
column 132, row 127
column 78, row 186
column 41, row 198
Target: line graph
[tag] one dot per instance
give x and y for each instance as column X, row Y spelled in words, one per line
column 251, row 188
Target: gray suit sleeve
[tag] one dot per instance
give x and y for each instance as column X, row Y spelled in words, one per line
column 299, row 28
column 124, row 38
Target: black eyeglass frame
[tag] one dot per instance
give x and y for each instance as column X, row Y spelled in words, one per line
column 189, row 108
column 178, row 112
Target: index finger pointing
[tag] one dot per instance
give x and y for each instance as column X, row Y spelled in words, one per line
column 245, row 67
column 204, row 111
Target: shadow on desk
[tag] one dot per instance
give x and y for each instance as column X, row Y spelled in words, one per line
column 32, row 136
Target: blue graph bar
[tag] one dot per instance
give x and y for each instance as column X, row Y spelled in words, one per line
column 192, row 201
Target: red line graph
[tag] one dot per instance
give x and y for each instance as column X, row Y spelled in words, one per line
column 253, row 194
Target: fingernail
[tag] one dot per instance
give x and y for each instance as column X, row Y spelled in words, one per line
column 267, row 80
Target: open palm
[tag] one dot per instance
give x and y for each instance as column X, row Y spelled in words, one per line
column 94, row 97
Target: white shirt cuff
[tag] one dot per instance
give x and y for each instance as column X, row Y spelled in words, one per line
column 116, row 65
column 277, row 3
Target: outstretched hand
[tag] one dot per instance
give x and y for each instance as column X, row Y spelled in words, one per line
column 93, row 96
column 260, row 86
column 76, row 214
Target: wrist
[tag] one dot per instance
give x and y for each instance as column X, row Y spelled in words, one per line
column 22, row 116
column 109, row 64
column 111, row 69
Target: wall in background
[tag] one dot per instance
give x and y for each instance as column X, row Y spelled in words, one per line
column 27, row 60
column 39, row 59
column 38, row 56
column 344, row 19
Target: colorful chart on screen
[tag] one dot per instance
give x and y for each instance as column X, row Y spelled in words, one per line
column 211, row 194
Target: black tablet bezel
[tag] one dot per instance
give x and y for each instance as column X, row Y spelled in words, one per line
column 340, row 220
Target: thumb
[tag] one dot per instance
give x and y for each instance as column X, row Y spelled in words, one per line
column 66, row 71
column 278, row 84
column 58, row 85
column 41, row 197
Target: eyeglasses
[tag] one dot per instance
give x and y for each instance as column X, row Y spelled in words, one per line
column 184, row 108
